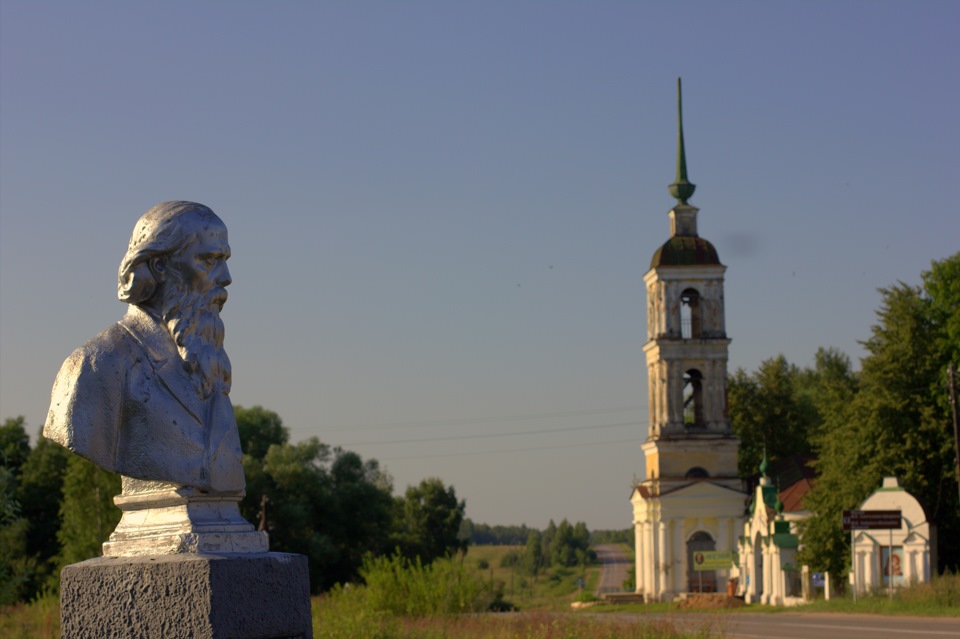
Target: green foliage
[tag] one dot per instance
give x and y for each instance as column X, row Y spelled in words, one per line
column 327, row 504
column 566, row 545
column 14, row 444
column 897, row 423
column 625, row 536
column 487, row 535
column 770, row 414
column 29, row 511
column 259, row 429
column 404, row 587
column 533, row 557
column 87, row 512
column 427, row 521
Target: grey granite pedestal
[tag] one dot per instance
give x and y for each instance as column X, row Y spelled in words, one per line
column 200, row 596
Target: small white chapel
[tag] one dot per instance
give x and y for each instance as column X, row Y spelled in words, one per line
column 691, row 498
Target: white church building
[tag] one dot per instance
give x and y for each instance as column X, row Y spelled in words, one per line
column 691, row 498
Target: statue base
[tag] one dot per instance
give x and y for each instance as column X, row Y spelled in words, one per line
column 265, row 596
column 163, row 518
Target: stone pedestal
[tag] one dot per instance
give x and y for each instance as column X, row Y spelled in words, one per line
column 180, row 596
column 160, row 518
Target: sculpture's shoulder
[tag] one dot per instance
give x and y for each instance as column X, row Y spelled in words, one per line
column 104, row 355
column 88, row 392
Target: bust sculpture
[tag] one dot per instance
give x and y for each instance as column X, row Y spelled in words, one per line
column 148, row 398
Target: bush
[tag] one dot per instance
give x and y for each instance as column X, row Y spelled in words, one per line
column 511, row 559
column 401, row 587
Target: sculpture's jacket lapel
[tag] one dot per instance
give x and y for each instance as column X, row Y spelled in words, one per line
column 164, row 358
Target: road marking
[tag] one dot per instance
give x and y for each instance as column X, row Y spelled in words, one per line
column 912, row 631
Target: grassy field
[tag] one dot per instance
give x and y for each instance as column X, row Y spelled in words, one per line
column 553, row 589
column 545, row 604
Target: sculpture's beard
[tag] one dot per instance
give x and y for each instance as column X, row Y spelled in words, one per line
column 194, row 322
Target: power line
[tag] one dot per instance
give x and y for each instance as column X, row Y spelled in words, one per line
column 512, row 450
column 486, row 420
column 491, row 435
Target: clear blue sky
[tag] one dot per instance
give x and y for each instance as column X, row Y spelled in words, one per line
column 441, row 212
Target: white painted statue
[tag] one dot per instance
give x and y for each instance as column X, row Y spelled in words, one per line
column 149, row 397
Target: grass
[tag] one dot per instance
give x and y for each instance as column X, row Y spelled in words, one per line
column 938, row 598
column 350, row 613
column 37, row 620
column 553, row 589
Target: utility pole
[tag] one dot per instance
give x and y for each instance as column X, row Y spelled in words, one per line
column 952, row 381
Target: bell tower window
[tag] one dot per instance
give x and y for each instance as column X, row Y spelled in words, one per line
column 693, row 398
column 690, row 314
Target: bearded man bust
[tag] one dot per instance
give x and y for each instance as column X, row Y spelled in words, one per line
column 148, row 398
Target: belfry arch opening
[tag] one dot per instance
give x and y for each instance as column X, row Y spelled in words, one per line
column 693, row 398
column 691, row 313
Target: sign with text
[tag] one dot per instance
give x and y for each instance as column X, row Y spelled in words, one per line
column 712, row 560
column 871, row 519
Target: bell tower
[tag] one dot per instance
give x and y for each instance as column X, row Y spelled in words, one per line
column 691, row 499
column 690, row 435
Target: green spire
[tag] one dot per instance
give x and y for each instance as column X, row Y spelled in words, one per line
column 682, row 189
column 764, row 464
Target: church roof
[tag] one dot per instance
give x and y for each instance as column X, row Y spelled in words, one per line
column 684, row 250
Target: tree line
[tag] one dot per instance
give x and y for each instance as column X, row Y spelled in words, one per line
column 893, row 417
column 329, row 504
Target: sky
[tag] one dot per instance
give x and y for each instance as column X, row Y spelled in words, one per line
column 441, row 213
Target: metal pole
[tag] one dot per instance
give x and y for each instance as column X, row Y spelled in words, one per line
column 890, row 565
column 853, row 562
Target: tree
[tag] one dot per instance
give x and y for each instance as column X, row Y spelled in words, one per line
column 87, row 512
column 259, row 429
column 533, row 554
column 40, row 494
column 897, row 423
column 15, row 568
column 427, row 521
column 14, row 444
column 769, row 414
column 327, row 504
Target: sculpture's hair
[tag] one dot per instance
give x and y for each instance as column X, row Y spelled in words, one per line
column 156, row 234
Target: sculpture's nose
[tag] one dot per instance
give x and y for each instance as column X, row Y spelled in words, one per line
column 223, row 276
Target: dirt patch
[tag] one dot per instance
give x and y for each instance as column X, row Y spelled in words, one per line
column 710, row 602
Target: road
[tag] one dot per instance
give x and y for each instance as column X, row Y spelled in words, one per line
column 788, row 625
column 614, row 569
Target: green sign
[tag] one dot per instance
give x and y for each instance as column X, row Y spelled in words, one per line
column 712, row 560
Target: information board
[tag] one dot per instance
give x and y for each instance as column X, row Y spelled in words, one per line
column 871, row 519
column 712, row 560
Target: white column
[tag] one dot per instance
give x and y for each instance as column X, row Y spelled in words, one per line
column 680, row 558
column 664, row 548
column 723, row 545
column 649, row 573
column 768, row 583
column 638, row 552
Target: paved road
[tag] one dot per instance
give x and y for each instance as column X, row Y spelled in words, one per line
column 813, row 626
column 614, row 570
